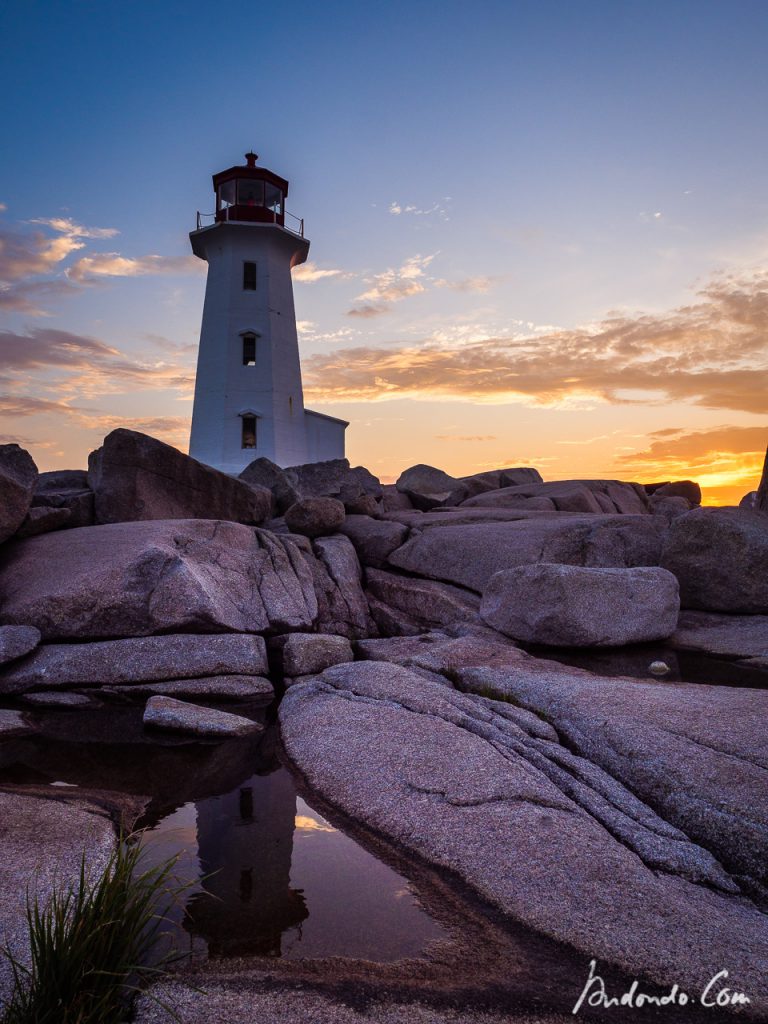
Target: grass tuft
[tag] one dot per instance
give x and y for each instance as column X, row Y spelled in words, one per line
column 91, row 946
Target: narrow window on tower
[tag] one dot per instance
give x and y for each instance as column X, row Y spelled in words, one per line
column 249, row 277
column 249, row 350
column 249, row 431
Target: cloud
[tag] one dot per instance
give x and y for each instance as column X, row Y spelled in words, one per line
column 467, row 284
column 392, row 286
column 68, row 227
column 465, row 437
column 713, row 353
column 67, row 365
column 25, row 297
column 112, row 264
column 726, row 460
column 24, row 255
column 440, row 209
column 307, row 273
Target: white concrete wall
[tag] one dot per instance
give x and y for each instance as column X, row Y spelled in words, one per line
column 224, row 387
column 325, row 437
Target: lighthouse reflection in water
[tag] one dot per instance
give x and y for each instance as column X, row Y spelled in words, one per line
column 269, row 876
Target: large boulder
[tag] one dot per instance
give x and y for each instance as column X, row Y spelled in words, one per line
column 373, row 539
column 720, row 557
column 574, row 606
column 315, row 517
column 136, row 477
column 136, row 660
column 543, row 835
column 427, row 487
column 687, row 489
column 265, row 473
column 334, row 478
column 18, row 477
column 135, row 579
column 469, row 555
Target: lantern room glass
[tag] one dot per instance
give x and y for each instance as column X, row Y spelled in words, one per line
column 250, row 193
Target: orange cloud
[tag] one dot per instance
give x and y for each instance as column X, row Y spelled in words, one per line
column 713, row 354
column 112, row 264
column 726, row 461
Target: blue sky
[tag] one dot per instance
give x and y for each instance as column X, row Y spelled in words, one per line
column 497, row 178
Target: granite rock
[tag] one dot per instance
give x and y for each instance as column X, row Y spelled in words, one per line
column 720, row 557
column 315, row 517
column 140, row 578
column 137, row 477
column 136, row 660
column 468, row 555
column 574, row 606
column 18, row 477
column 171, row 715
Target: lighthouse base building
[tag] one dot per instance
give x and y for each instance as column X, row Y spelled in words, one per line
column 249, row 400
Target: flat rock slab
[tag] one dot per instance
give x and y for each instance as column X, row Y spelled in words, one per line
column 12, row 723
column 42, row 844
column 697, row 754
column 56, row 699
column 470, row 555
column 214, row 688
column 173, row 715
column 136, row 579
column 210, row 1000
column 731, row 636
column 136, row 660
column 16, row 641
column 543, row 835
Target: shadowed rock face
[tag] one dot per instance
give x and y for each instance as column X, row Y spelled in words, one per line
column 541, row 833
column 720, row 557
column 136, row 579
column 761, row 498
column 18, row 477
column 315, row 517
column 572, row 606
column 171, row 715
column 469, row 555
column 136, row 477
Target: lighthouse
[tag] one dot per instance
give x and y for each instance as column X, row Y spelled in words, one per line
column 249, row 400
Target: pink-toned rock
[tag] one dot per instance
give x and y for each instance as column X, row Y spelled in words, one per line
column 18, row 476
column 136, row 579
column 137, row 477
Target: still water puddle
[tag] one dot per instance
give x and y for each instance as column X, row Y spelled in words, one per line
column 267, row 875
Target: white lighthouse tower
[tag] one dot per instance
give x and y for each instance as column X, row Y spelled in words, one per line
column 248, row 395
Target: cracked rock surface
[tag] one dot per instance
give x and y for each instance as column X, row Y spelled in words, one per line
column 142, row 578
column 543, row 834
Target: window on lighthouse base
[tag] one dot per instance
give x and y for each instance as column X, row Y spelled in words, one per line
column 248, row 431
column 249, row 350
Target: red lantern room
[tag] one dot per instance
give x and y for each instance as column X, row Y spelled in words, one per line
column 250, row 193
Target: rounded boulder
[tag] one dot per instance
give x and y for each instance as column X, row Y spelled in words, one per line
column 315, row 517
column 574, row 606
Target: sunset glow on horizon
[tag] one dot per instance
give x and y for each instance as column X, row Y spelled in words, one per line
column 539, row 231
